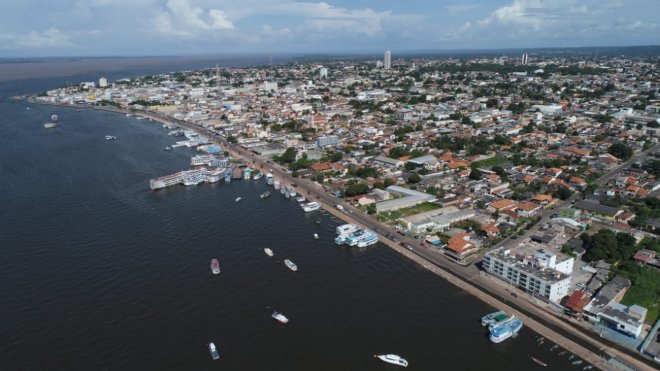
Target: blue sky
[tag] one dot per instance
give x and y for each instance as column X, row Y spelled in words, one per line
column 181, row 27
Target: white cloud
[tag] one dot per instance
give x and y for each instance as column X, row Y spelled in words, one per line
column 182, row 18
column 47, row 39
column 455, row 9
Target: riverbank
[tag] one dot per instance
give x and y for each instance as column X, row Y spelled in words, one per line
column 329, row 206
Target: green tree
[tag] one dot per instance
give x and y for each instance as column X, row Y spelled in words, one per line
column 476, row 174
column 414, row 178
column 621, row 151
column 356, row 189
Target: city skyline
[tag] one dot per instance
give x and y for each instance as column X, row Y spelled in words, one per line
column 34, row 28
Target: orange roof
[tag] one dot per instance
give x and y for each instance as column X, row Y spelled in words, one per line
column 458, row 163
column 554, row 170
column 528, row 179
column 528, row 206
column 404, row 158
column 490, row 228
column 543, row 198
column 576, row 180
column 502, row 204
column 321, row 166
column 460, row 243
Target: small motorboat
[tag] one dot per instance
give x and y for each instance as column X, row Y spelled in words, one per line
column 578, row 362
column 279, row 317
column 215, row 266
column 291, row 265
column 587, row 367
column 268, row 251
column 316, row 236
column 265, row 194
column 393, row 359
column 168, row 148
column 238, row 199
column 110, row 137
column 554, row 347
column 538, row 361
column 214, row 351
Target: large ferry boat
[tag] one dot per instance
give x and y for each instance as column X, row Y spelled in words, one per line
column 193, row 177
column 214, row 351
column 346, row 229
column 393, row 359
column 276, row 184
column 269, row 179
column 279, row 317
column 359, row 237
column 311, row 206
column 215, row 266
column 505, row 330
column 291, row 265
column 247, row 173
column 200, row 160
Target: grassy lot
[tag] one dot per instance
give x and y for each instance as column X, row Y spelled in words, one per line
column 394, row 215
column 488, row 162
column 645, row 291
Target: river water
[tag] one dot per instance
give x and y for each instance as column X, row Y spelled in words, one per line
column 98, row 272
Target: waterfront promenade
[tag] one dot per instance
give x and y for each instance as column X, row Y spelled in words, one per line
column 470, row 279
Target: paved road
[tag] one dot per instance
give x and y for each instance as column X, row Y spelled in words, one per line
column 470, row 274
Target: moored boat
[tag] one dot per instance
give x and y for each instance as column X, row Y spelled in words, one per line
column 50, row 125
column 291, row 265
column 258, row 176
column 393, row 359
column 268, row 251
column 504, row 331
column 539, row 362
column 279, row 317
column 214, row 351
column 311, row 206
column 491, row 318
column 215, row 266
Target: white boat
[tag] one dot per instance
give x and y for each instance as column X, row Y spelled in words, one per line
column 268, row 251
column 292, row 192
column 193, row 177
column 393, row 359
column 300, row 199
column 110, row 137
column 168, row 148
column 238, row 199
column 505, row 330
column 214, row 351
column 291, row 265
column 279, row 317
column 50, row 125
column 215, row 266
column 258, row 176
column 265, row 194
column 276, row 184
column 269, row 179
column 311, row 206
column 53, row 118
column 316, row 236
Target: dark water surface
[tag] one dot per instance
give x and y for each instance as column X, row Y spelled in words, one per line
column 97, row 272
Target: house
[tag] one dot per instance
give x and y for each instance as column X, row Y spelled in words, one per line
column 576, row 303
column 428, row 162
column 500, row 205
column 387, row 162
column 625, row 217
column 321, row 167
column 528, row 209
column 410, row 198
column 604, row 211
column 460, row 246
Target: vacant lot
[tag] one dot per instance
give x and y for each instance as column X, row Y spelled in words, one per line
column 645, row 291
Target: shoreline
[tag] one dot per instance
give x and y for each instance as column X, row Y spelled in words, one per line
column 480, row 286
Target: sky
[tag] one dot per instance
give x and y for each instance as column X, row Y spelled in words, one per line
column 40, row 28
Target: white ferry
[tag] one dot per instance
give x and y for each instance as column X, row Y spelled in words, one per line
column 269, row 179
column 311, row 206
column 505, row 330
column 346, row 229
column 291, row 265
column 300, row 199
column 276, row 184
column 193, row 177
column 359, row 238
column 393, row 359
column 200, row 160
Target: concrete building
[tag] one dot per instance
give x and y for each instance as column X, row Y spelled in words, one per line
column 330, row 140
column 323, row 73
column 387, row 60
column 103, row 82
column 410, row 198
column 542, row 274
column 387, row 162
column 605, row 309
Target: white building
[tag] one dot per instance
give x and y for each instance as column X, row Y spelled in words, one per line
column 323, row 72
column 387, row 61
column 543, row 275
column 103, row 82
column 270, row 86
